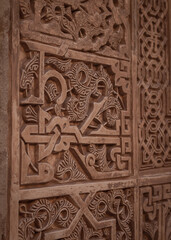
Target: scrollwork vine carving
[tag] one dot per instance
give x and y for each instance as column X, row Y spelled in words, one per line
column 114, row 202
column 96, row 26
column 42, row 215
column 66, row 104
column 39, row 218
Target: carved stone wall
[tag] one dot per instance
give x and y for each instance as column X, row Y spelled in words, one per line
column 91, row 153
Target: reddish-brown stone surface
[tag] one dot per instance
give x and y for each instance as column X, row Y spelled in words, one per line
column 91, row 154
column 5, row 72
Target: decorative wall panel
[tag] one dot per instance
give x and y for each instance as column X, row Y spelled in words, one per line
column 100, row 26
column 75, row 122
column 155, row 214
column 108, row 213
column 154, row 84
column 90, row 111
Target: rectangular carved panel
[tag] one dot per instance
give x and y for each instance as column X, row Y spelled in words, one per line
column 95, row 215
column 102, row 27
column 155, row 212
column 75, row 123
column 74, row 91
column 153, row 83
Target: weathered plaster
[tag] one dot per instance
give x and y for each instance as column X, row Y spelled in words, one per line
column 4, row 117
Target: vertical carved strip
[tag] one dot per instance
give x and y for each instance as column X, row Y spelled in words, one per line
column 153, row 81
column 155, row 212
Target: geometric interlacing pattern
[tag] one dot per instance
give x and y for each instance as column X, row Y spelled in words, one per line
column 85, row 165
column 155, row 212
column 75, row 120
column 64, row 218
column 76, row 113
column 153, row 81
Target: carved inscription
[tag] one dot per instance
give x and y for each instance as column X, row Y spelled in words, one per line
column 76, row 117
column 101, row 215
column 156, row 212
column 153, row 82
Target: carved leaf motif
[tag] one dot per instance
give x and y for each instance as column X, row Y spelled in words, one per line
column 42, row 215
column 114, row 202
column 62, row 65
column 92, row 25
column 100, row 157
column 115, row 199
column 67, row 170
column 112, row 107
column 150, row 228
column 63, row 16
column 47, row 12
column 99, row 205
column 119, row 235
column 52, row 91
column 25, row 229
column 68, row 25
column 30, row 115
column 25, row 8
column 29, row 72
column 83, row 80
column 77, row 231
column 119, row 205
column 66, row 212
